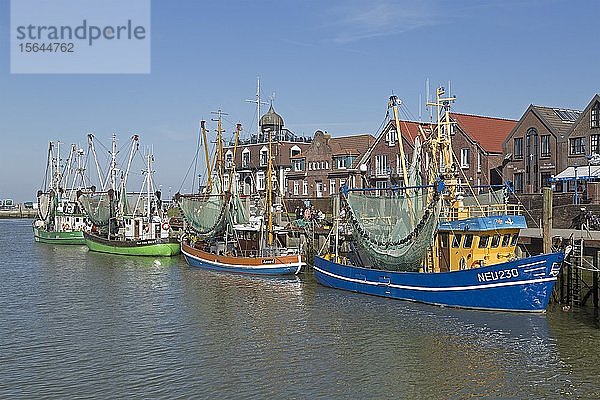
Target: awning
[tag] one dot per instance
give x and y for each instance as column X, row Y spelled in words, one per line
column 582, row 173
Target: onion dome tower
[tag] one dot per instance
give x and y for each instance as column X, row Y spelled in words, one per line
column 271, row 120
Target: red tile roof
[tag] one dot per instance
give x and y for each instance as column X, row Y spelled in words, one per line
column 489, row 132
column 350, row 145
column 410, row 129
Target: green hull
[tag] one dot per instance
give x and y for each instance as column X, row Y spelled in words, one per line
column 168, row 249
column 44, row 236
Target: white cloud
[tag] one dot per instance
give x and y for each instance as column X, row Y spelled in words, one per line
column 366, row 20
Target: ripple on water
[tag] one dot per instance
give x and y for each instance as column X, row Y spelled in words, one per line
column 88, row 325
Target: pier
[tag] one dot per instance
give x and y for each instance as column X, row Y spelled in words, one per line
column 18, row 211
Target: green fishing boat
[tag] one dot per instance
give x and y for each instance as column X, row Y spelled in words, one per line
column 60, row 219
column 128, row 223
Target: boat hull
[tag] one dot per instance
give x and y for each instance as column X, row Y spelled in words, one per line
column 72, row 237
column 151, row 248
column 280, row 265
column 521, row 285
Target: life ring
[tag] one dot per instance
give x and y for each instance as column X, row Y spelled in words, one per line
column 166, row 226
column 66, row 227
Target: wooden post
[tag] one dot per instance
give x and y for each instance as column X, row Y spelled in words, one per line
column 547, row 220
column 595, row 283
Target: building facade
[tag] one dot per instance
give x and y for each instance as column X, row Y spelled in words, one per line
column 536, row 148
column 476, row 144
column 327, row 164
column 251, row 155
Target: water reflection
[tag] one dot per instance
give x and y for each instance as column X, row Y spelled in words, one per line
column 82, row 324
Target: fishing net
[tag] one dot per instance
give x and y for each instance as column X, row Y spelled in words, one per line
column 46, row 206
column 206, row 214
column 396, row 228
column 97, row 207
column 391, row 231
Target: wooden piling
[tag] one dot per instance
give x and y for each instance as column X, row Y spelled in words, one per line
column 547, row 220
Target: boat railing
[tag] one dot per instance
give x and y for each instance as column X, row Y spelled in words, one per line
column 486, row 210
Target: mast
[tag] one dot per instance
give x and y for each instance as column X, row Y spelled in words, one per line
column 238, row 128
column 208, row 163
column 219, row 161
column 269, row 200
column 113, row 163
column 258, row 102
column 148, row 188
column 51, row 165
column 443, row 142
column 93, row 150
column 393, row 103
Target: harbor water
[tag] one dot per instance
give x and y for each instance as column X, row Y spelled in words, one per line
column 77, row 324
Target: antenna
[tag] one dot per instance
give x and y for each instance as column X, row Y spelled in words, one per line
column 420, row 107
column 258, row 103
column 427, row 101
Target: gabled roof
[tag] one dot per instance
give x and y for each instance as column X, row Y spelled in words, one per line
column 350, row 145
column 489, row 132
column 551, row 116
column 584, row 113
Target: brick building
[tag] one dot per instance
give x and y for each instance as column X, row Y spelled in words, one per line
column 328, row 163
column 536, row 148
column 476, row 144
column 251, row 156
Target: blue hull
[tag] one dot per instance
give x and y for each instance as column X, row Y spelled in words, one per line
column 521, row 285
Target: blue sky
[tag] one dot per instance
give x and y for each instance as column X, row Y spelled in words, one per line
column 332, row 66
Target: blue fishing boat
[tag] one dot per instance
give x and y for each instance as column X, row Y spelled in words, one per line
column 432, row 243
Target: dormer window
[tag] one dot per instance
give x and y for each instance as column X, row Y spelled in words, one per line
column 264, row 156
column 595, row 116
column 295, row 151
column 246, row 158
column 228, row 159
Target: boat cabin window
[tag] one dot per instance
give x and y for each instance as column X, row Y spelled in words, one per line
column 483, row 241
column 513, row 241
column 468, row 241
column 505, row 240
column 456, row 240
column 495, row 240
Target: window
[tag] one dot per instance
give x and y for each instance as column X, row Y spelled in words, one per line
column 299, row 165
column 304, row 188
column 319, row 188
column 381, row 165
column 545, row 177
column 468, row 241
column 264, row 156
column 344, row 162
column 545, row 145
column 532, row 164
column 260, row 180
column 577, row 146
column 327, row 164
column 456, row 240
column 245, row 158
column 495, row 240
column 505, row 240
column 595, row 116
column 483, row 241
column 380, row 185
column 518, row 148
column 390, row 137
column 478, row 161
column 228, row 159
column 296, row 188
column 295, row 151
column 595, row 144
column 518, row 182
column 464, row 158
column 332, row 186
column 513, row 240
